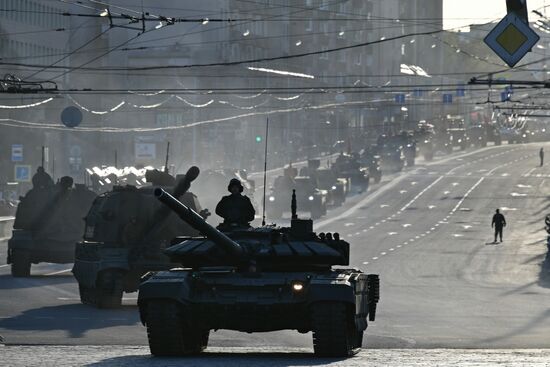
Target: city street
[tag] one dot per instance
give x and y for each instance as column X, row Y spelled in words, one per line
column 426, row 232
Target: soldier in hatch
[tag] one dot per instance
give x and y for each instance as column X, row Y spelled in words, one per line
column 236, row 209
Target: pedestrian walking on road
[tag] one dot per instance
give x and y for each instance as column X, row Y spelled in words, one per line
column 499, row 222
column 541, row 155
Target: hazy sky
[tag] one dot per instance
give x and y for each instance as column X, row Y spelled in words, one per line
column 464, row 12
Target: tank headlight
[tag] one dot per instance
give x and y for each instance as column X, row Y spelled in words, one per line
column 311, row 198
column 271, row 198
column 524, row 135
column 334, row 187
column 297, row 287
column 460, row 140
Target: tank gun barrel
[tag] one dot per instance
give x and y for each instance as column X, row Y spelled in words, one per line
column 197, row 222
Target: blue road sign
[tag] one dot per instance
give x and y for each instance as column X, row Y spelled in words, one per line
column 418, row 93
column 22, row 173
column 400, row 98
column 447, row 98
column 512, row 39
column 461, row 92
column 17, row 153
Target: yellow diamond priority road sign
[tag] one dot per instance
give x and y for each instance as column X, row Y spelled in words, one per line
column 512, row 39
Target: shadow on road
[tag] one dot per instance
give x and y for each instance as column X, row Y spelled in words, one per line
column 75, row 319
column 219, row 359
column 9, row 282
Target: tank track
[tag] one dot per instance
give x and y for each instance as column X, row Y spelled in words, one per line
column 334, row 334
column 167, row 334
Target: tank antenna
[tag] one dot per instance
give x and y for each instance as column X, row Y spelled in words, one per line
column 265, row 167
column 167, row 157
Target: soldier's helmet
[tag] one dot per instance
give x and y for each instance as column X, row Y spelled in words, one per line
column 235, row 182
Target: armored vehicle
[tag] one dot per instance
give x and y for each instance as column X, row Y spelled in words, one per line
column 477, row 136
column 326, row 179
column 256, row 280
column 126, row 231
column 310, row 197
column 349, row 167
column 458, row 137
column 371, row 159
column 48, row 222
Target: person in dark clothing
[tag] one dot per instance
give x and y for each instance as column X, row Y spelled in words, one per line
column 541, row 155
column 236, row 209
column 499, row 222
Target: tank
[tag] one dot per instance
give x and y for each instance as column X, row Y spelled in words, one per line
column 49, row 221
column 256, row 280
column 126, row 232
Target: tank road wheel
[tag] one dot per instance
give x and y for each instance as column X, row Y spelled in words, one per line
column 20, row 263
column 167, row 333
column 334, row 333
column 108, row 293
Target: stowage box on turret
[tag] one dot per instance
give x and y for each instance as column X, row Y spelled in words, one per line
column 126, row 231
column 256, row 280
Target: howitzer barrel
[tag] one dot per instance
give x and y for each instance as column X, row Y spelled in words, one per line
column 196, row 221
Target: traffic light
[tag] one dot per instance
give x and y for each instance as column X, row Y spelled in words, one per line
column 258, row 139
column 519, row 7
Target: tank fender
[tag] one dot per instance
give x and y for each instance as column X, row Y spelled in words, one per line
column 168, row 285
column 328, row 292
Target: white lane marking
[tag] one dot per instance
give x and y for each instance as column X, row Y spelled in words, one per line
column 466, row 226
column 459, row 204
column 383, row 254
column 349, row 224
column 406, row 225
column 524, row 186
column 432, row 207
column 421, row 193
column 365, row 263
column 403, row 192
column 446, row 192
column 58, row 272
column 392, row 249
column 384, row 206
column 458, row 235
column 375, row 258
column 505, row 208
column 517, row 194
column 392, row 233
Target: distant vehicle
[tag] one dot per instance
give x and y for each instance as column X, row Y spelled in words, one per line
column 336, row 188
column 390, row 149
column 126, row 232
column 257, row 280
column 458, row 137
column 310, row 198
column 48, row 223
column 349, row 167
column 477, row 136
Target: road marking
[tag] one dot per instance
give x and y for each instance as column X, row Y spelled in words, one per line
column 392, row 233
column 383, row 253
column 59, row 272
column 432, row 207
column 406, row 225
column 375, row 258
column 516, row 194
column 421, row 193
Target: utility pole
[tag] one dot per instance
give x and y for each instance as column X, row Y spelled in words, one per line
column 519, row 7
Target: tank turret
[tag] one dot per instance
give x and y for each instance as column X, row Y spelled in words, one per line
column 269, row 247
column 197, row 222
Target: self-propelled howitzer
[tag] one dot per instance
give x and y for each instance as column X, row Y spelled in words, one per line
column 256, row 280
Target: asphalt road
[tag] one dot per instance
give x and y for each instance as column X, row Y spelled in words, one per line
column 426, row 232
